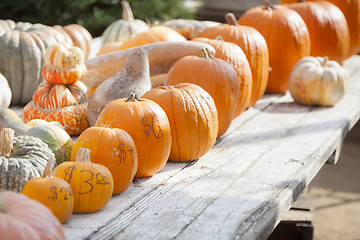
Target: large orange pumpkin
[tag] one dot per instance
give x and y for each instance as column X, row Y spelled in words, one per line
column 147, row 124
column 193, row 119
column 216, row 76
column 329, row 32
column 23, row 218
column 351, row 11
column 113, row 148
column 254, row 46
column 232, row 53
column 287, row 37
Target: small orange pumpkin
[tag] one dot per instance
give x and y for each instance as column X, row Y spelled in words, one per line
column 193, row 119
column 115, row 149
column 63, row 65
column 92, row 183
column 53, row 192
column 147, row 124
column 157, row 33
column 215, row 76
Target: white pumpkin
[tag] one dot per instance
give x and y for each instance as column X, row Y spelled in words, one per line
column 5, row 92
column 318, row 81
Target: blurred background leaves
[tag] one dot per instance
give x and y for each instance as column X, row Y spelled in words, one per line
column 94, row 15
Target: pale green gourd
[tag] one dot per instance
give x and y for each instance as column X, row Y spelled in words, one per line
column 124, row 28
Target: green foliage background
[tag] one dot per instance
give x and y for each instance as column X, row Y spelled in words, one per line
column 94, row 15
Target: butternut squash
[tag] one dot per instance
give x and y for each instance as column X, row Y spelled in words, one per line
column 133, row 77
column 161, row 55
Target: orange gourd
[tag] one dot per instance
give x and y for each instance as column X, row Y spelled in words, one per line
column 254, row 46
column 113, row 148
column 232, row 53
column 63, row 65
column 157, row 33
column 92, row 183
column 23, row 218
column 53, row 192
column 193, row 119
column 287, row 37
column 147, row 124
column 215, row 76
column 329, row 32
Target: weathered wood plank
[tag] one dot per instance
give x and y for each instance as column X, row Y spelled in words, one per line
column 241, row 188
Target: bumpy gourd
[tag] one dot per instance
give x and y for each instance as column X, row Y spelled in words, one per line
column 21, row 158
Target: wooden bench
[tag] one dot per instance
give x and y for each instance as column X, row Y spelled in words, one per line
column 243, row 186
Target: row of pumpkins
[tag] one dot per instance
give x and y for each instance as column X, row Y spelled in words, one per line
column 154, row 94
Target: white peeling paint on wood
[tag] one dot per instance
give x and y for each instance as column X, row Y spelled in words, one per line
column 242, row 187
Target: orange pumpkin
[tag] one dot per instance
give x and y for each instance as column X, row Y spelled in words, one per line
column 329, row 32
column 23, row 218
column 113, row 148
column 53, row 192
column 157, row 33
column 63, row 65
column 193, row 119
column 232, row 53
column 351, row 11
column 287, row 37
column 215, row 76
column 92, row 183
column 254, row 46
column 147, row 124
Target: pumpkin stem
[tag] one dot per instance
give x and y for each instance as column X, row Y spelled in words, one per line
column 268, row 5
column 6, row 144
column 326, row 60
column 3, row 206
column 231, row 19
column 205, row 53
column 48, row 168
column 83, row 155
column 219, row 37
column 126, row 11
column 132, row 98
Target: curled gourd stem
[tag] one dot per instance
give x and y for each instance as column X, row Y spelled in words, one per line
column 231, row 19
column 83, row 155
column 3, row 206
column 6, row 144
column 132, row 98
column 268, row 5
column 205, row 53
column 48, row 168
column 219, row 37
column 325, row 62
column 126, row 11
